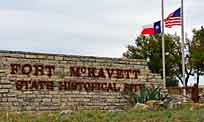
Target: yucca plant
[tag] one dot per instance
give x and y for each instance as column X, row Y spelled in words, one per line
column 149, row 93
column 146, row 94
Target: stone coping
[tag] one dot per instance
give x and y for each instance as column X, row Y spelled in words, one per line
column 38, row 55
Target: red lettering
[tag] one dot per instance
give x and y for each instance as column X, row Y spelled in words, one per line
column 50, row 85
column 64, row 85
column 119, row 73
column 101, row 73
column 91, row 72
column 75, row 71
column 115, row 89
column 34, row 85
column 14, row 68
column 50, row 70
column 126, row 87
column 136, row 72
column 79, row 86
column 110, row 87
column 110, row 73
column 61, row 85
column 73, row 86
column 83, row 70
column 128, row 73
column 104, row 87
column 42, row 84
column 26, row 69
column 96, row 86
column 39, row 69
column 19, row 85
column 25, row 83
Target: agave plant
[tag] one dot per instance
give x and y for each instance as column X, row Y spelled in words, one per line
column 146, row 94
column 149, row 93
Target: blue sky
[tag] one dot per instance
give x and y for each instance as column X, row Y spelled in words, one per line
column 84, row 27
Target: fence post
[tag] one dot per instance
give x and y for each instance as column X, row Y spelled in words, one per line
column 194, row 93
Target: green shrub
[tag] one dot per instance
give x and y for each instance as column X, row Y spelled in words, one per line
column 146, row 94
column 172, row 82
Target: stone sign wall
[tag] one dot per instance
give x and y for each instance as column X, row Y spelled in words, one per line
column 49, row 82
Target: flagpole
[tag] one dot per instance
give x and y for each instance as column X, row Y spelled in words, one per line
column 163, row 45
column 182, row 49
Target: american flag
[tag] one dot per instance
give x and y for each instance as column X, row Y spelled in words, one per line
column 174, row 19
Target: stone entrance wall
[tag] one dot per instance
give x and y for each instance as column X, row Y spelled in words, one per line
column 53, row 82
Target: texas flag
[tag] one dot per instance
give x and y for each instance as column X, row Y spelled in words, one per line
column 152, row 29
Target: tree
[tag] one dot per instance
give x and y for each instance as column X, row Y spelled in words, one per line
column 172, row 83
column 198, row 52
column 149, row 48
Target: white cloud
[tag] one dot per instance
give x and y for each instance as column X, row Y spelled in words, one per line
column 91, row 27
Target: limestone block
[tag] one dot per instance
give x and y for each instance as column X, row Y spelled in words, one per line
column 3, row 70
column 30, row 56
column 58, row 58
column 55, row 100
column 5, row 86
column 4, row 90
column 50, row 57
column 42, row 56
column 10, row 99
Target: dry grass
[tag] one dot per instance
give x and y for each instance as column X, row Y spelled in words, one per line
column 180, row 115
